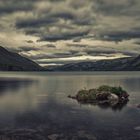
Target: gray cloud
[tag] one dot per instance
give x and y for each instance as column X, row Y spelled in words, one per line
column 67, row 23
column 10, row 6
column 119, row 7
column 119, row 36
column 69, row 15
column 39, row 57
column 29, row 41
column 60, row 22
column 137, row 42
column 77, row 45
column 109, row 52
column 30, row 23
column 27, row 49
column 49, row 46
column 64, row 36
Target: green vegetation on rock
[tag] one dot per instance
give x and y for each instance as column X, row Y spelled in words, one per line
column 102, row 93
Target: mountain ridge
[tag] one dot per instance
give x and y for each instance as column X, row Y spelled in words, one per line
column 11, row 61
column 119, row 64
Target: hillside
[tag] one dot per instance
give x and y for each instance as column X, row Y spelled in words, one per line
column 10, row 61
column 121, row 64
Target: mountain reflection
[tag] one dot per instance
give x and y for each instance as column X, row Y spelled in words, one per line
column 16, row 96
column 12, row 84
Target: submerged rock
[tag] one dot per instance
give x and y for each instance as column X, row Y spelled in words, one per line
column 85, row 135
column 21, row 134
column 53, row 137
column 137, row 128
column 138, row 106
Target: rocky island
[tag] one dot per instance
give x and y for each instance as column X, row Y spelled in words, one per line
column 102, row 95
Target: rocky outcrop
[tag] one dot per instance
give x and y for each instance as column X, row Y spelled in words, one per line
column 101, row 95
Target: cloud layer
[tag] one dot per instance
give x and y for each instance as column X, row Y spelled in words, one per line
column 47, row 29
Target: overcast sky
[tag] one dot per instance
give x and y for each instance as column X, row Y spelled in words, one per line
column 62, row 31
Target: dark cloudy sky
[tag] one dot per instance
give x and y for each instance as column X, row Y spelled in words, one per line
column 61, row 31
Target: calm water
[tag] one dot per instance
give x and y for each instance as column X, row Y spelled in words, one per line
column 39, row 101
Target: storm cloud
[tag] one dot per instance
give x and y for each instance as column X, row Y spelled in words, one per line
column 65, row 28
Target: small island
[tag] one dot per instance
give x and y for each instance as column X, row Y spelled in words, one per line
column 102, row 95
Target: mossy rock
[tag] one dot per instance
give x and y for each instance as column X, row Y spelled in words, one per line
column 101, row 93
column 104, row 88
column 82, row 95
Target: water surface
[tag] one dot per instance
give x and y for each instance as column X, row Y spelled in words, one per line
column 38, row 101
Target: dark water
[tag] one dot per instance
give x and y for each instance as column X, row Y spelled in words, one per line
column 38, row 101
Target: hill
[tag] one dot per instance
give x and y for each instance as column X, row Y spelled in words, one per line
column 121, row 64
column 10, row 61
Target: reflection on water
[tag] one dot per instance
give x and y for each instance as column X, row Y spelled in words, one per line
column 10, row 84
column 38, row 101
column 114, row 106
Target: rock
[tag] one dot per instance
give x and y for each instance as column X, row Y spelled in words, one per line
column 113, row 97
column 137, row 128
column 102, row 95
column 72, row 97
column 23, row 134
column 84, row 135
column 138, row 106
column 125, row 95
column 53, row 136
